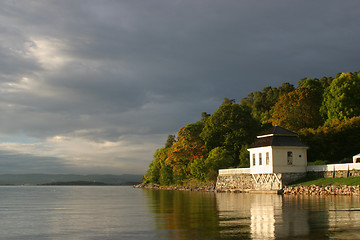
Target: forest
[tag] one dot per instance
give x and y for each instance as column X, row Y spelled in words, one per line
column 324, row 112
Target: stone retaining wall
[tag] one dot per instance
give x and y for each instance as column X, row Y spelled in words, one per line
column 234, row 182
column 335, row 174
column 240, row 182
column 288, row 178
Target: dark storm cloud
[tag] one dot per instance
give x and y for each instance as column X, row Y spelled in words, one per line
column 106, row 70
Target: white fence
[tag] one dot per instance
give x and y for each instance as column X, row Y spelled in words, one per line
column 315, row 168
column 334, row 167
column 234, row 171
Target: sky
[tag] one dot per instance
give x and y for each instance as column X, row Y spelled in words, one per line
column 93, row 86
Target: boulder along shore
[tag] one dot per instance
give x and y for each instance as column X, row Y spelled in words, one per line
column 317, row 190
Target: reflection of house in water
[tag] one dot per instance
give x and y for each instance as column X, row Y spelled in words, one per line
column 264, row 210
column 269, row 216
column 266, row 214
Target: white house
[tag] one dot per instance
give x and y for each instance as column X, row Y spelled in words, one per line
column 278, row 150
column 356, row 158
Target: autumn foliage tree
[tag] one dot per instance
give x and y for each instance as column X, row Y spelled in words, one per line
column 262, row 102
column 297, row 109
column 188, row 148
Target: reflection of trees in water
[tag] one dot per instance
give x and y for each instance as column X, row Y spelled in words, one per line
column 185, row 215
column 234, row 213
column 329, row 216
column 340, row 218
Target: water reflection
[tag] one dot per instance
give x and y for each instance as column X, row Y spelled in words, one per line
column 184, row 215
column 196, row 215
column 263, row 210
column 268, row 219
column 284, row 217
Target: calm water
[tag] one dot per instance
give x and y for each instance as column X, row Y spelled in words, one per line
column 127, row 213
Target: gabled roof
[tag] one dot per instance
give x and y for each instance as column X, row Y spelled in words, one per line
column 277, row 136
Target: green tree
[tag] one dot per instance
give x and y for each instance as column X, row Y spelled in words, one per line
column 231, row 126
column 170, row 140
column 312, row 84
column 286, row 88
column 244, row 157
column 333, row 141
column 158, row 171
column 342, row 97
column 198, row 169
column 219, row 158
column 326, row 81
column 262, row 102
column 153, row 173
column 166, row 175
column 204, row 117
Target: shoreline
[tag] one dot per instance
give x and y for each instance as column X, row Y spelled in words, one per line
column 344, row 190
column 204, row 188
column 333, row 190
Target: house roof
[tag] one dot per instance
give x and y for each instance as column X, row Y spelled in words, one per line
column 277, row 130
column 277, row 136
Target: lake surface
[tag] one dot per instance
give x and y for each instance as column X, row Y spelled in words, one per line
column 125, row 213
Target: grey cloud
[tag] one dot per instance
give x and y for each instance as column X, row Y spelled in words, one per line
column 145, row 68
column 14, row 162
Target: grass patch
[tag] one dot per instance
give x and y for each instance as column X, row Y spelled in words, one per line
column 317, row 162
column 351, row 181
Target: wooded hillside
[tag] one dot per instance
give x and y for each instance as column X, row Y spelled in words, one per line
column 324, row 112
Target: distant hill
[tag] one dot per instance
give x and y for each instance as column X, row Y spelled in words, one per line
column 77, row 183
column 35, row 179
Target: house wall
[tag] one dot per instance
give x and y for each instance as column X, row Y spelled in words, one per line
column 278, row 160
column 356, row 158
column 299, row 159
column 263, row 168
